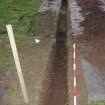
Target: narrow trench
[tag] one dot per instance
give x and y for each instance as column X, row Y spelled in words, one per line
column 57, row 77
column 55, row 85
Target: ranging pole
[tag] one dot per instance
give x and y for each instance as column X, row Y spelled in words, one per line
column 17, row 62
column 74, row 76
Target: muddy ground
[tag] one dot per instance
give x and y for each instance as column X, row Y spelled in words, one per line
column 88, row 29
column 91, row 41
column 46, row 73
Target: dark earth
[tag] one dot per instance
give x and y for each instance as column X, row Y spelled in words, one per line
column 91, row 42
column 57, row 89
column 90, row 46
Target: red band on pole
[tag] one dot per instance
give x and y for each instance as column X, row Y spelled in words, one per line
column 77, row 73
column 74, row 91
column 74, row 73
column 74, row 50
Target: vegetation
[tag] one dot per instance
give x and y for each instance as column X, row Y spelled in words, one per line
column 27, row 24
column 17, row 12
column 97, row 103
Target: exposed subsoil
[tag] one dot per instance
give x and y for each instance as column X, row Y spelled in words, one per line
column 91, row 42
column 55, row 84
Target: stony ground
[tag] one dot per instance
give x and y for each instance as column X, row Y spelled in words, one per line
column 91, row 38
column 92, row 41
column 30, row 25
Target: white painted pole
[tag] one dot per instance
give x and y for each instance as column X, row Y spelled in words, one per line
column 74, row 68
column 17, row 62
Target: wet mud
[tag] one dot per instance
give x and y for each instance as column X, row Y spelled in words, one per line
column 58, row 77
column 91, row 45
column 55, row 85
column 91, row 41
column 93, row 19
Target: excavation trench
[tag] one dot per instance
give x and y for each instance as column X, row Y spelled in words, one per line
column 56, row 79
column 56, row 88
column 89, row 15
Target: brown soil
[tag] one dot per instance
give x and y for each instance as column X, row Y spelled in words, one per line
column 55, row 93
column 81, row 89
column 91, row 42
column 55, row 84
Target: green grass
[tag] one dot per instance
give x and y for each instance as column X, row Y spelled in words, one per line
column 27, row 24
column 14, row 11
column 97, row 103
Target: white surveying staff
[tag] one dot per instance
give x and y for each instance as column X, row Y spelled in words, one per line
column 17, row 62
column 74, row 75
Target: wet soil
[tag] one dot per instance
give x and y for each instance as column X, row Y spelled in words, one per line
column 55, row 84
column 91, row 42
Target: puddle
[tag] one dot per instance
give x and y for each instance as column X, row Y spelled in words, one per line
column 94, row 80
column 76, row 18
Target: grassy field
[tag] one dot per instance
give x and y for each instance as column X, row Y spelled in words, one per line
column 19, row 14
column 27, row 24
column 97, row 103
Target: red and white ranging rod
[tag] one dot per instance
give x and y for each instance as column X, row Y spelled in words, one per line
column 74, row 76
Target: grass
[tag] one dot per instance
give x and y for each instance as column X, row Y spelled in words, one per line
column 27, row 24
column 14, row 11
column 97, row 103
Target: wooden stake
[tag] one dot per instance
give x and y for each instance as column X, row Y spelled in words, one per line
column 17, row 62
